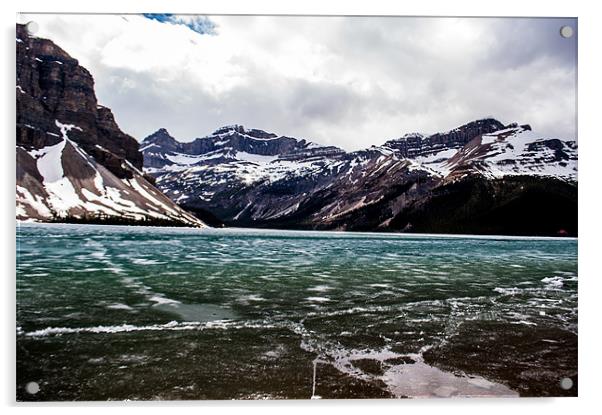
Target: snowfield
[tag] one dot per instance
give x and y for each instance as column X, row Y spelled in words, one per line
column 103, row 193
column 517, row 151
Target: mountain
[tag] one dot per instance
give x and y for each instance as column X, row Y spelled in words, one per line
column 512, row 151
column 419, row 183
column 418, row 145
column 73, row 161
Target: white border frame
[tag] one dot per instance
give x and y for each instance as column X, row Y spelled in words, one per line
column 590, row 152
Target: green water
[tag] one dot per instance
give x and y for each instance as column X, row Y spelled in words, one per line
column 108, row 312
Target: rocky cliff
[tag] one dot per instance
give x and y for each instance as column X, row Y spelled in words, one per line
column 416, row 145
column 73, row 161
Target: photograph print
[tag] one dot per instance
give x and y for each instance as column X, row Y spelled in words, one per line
column 216, row 207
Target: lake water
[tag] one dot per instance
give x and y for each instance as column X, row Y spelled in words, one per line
column 109, row 312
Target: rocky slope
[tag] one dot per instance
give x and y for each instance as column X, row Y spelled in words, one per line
column 253, row 178
column 512, row 151
column 73, row 161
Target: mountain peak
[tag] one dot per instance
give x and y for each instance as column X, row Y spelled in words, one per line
column 160, row 134
column 486, row 125
column 226, row 129
column 160, row 138
column 413, row 135
column 239, row 129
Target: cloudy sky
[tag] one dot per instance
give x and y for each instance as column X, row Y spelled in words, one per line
column 346, row 81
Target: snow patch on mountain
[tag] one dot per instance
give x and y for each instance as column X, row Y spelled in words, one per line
column 255, row 158
column 520, row 151
column 65, row 195
column 438, row 161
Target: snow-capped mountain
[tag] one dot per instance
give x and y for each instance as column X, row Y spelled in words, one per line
column 491, row 149
column 514, row 151
column 73, row 161
column 253, row 178
column 231, row 158
column 253, row 155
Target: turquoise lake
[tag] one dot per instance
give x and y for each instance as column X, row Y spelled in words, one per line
column 114, row 313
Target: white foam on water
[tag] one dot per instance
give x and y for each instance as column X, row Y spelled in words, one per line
column 99, row 254
column 320, row 288
column 553, row 282
column 146, row 261
column 58, row 331
column 318, row 299
column 508, row 291
column 272, row 354
column 346, row 311
column 159, row 299
column 119, row 306
column 323, row 274
column 380, row 285
column 567, row 273
column 524, row 322
column 250, row 297
column 170, row 326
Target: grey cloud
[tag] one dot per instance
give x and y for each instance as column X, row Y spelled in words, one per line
column 516, row 70
column 523, row 40
column 322, row 101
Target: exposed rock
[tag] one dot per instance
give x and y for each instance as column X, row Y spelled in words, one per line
column 414, row 145
column 73, row 161
column 51, row 86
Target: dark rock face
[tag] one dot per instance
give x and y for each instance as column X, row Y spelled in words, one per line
column 415, row 144
column 516, row 205
column 51, row 85
column 559, row 149
column 74, row 164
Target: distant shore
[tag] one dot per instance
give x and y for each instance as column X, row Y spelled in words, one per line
column 313, row 231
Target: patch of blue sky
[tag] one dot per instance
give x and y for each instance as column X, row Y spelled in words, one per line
column 197, row 23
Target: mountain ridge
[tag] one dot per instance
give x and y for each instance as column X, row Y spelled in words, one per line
column 322, row 187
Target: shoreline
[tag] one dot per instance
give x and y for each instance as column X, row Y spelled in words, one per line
column 19, row 223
